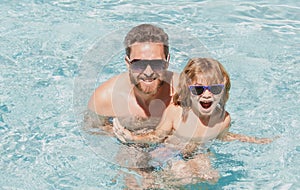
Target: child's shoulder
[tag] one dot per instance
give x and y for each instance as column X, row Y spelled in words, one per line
column 227, row 115
column 227, row 120
column 174, row 109
column 172, row 106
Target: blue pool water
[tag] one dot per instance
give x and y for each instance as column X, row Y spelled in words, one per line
column 52, row 57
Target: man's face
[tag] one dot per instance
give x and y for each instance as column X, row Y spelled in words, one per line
column 145, row 74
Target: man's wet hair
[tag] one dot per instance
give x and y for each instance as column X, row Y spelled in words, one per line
column 146, row 33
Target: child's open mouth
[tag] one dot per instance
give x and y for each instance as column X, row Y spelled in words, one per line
column 205, row 105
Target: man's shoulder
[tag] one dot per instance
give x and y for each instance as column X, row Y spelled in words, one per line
column 173, row 75
column 102, row 96
column 175, row 80
column 113, row 80
column 118, row 83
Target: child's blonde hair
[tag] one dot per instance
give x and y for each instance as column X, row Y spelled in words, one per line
column 211, row 71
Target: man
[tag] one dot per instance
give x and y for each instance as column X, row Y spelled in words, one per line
column 138, row 97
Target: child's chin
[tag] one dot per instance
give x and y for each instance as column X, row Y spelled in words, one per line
column 206, row 111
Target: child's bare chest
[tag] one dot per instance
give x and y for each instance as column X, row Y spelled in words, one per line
column 197, row 131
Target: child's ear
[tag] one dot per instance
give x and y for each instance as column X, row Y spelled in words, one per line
column 224, row 80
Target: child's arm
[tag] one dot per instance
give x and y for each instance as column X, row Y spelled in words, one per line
column 225, row 135
column 163, row 129
column 243, row 138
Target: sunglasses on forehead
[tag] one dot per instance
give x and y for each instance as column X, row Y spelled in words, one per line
column 139, row 65
column 198, row 89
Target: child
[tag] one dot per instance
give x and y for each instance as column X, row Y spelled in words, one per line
column 196, row 116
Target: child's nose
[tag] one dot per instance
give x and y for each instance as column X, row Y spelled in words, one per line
column 206, row 93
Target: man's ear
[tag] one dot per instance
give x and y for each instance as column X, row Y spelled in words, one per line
column 168, row 59
column 127, row 61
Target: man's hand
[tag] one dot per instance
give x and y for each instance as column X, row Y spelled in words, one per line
column 97, row 124
column 122, row 134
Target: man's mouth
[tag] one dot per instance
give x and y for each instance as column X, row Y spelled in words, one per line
column 148, row 80
column 205, row 105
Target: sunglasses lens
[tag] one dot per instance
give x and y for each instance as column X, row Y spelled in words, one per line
column 197, row 90
column 216, row 89
column 137, row 65
column 157, row 65
column 140, row 65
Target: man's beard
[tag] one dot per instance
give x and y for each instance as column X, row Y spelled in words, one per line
column 145, row 88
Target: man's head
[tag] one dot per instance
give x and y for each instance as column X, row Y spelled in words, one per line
column 146, row 33
column 147, row 56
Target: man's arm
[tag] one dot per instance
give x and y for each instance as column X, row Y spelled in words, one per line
column 127, row 136
column 98, row 117
column 162, row 131
column 97, row 124
column 101, row 100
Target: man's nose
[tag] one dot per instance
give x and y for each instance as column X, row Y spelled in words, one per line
column 148, row 71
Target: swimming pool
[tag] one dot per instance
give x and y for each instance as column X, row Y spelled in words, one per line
column 46, row 47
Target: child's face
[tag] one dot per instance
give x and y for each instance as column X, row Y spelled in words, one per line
column 205, row 96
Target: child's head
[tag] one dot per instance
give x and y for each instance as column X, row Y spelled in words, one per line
column 202, row 72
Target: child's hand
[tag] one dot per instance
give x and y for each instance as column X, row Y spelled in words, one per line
column 264, row 140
